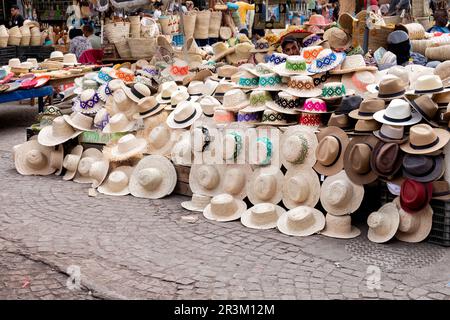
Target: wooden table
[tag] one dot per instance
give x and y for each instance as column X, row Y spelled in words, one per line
column 118, row 60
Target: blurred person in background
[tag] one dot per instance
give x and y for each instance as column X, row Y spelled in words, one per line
column 78, row 43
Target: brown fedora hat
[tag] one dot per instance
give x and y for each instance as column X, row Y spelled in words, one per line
column 365, row 127
column 386, row 159
column 368, row 108
column 427, row 108
column 340, row 120
column 391, row 88
column 441, row 190
column 357, row 159
column 423, row 168
column 390, row 133
column 330, row 152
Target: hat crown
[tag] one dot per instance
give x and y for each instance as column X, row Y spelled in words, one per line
column 360, row 158
column 270, row 115
column 315, row 104
column 200, row 200
column 259, row 97
column 70, row 58
column 317, row 19
column 370, row 106
column 419, row 165
column 422, row 135
column 127, row 143
column 409, row 223
column 391, row 86
column 234, row 181
column 265, row 186
column 61, row 128
column 147, row 103
column 339, row 192
column 428, row 83
column 376, row 220
column 36, row 159
column 178, row 97
column 443, row 70
column 159, row 136
column 97, row 169
column 167, row 88
column 208, row 177
column 398, row 109
column 85, row 165
column 70, row 162
column 298, row 188
column 339, row 120
column 223, row 205
column 367, row 126
column 184, row 111
column 81, row 120
column 295, row 148
column 338, row 224
column 386, row 158
column 426, row 106
column 263, row 213
column 150, row 178
column 142, row 89
column 234, row 97
column 87, row 94
column 118, row 122
column 226, row 71
column 328, row 150
column 392, row 132
column 400, row 72
column 300, row 218
column 353, row 61
column 413, row 195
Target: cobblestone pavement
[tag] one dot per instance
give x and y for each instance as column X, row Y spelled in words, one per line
column 136, row 248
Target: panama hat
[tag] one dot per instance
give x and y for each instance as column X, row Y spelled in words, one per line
column 367, row 109
column 357, row 159
column 103, row 75
column 386, row 159
column 221, row 50
column 235, row 100
column 383, row 223
column 166, row 90
column 302, row 86
column 154, row 177
column 341, row 121
column 312, row 40
column 337, row 38
column 339, row 227
column 365, row 128
column 71, row 161
column 270, row 82
column 208, row 104
column 89, row 102
column 206, row 179
column 339, row 195
column 415, row 227
column 177, row 71
column 88, row 158
column 57, row 133
column 181, row 153
column 353, row 63
column 235, row 178
column 224, row 207
column 427, row 108
column 398, row 113
column 315, row 106
column 390, row 88
column 257, row 102
column 124, row 74
column 334, row 91
column 84, row 84
column 294, row 65
column 184, row 115
column 442, row 70
column 423, row 139
column 98, row 171
column 246, row 80
column 284, row 103
column 298, row 147
column 273, row 118
column 197, row 203
column 265, row 185
column 80, row 121
column 117, row 182
column 119, row 123
column 233, row 142
column 360, row 81
column 179, row 96
column 126, row 147
column 32, row 158
column 325, row 61
column 301, row 221
column 423, row 168
column 137, row 91
column 301, row 187
column 161, row 140
column 147, row 107
column 224, row 72
column 427, row 84
column 390, row 133
column 330, row 151
column 121, row 104
column 262, row 216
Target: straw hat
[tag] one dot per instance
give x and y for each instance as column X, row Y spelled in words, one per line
column 367, row 109
column 339, row 227
column 178, row 96
column 441, row 190
column 315, row 106
column 303, row 87
column 274, row 118
column 294, row 65
column 31, row 158
column 301, row 187
column 184, row 115
column 235, row 178
column 221, row 50
column 206, row 179
column 137, row 91
column 301, row 221
column 357, row 159
column 182, row 150
column 89, row 102
column 117, row 182
column 326, row 60
column 208, row 104
column 353, row 63
column 330, row 151
column 334, row 91
column 225, row 72
column 337, row 38
column 339, row 195
column 122, row 104
column 224, row 207
column 398, row 113
column 427, row 108
column 197, row 203
column 70, row 59
column 88, row 158
column 389, row 133
column 154, row 177
column 71, row 162
column 262, row 216
column 265, row 185
column 57, row 133
column 235, row 100
column 119, row 123
column 177, row 71
column 443, row 71
column 80, row 121
column 104, row 75
column 124, row 74
column 98, row 172
column 147, row 107
column 415, row 227
column 56, row 56
column 383, row 224
column 424, row 139
column 161, row 140
column 390, row 88
column 246, row 80
column 284, row 103
column 317, row 20
column 127, row 147
column 298, row 147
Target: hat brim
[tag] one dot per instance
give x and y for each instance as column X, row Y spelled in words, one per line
column 241, row 208
column 167, row 185
column 311, row 139
column 116, row 155
column 349, row 206
column 426, row 221
column 435, row 174
column 348, row 92
column 272, row 105
column 401, row 141
column 415, row 118
column 171, row 120
column 338, row 165
column 254, row 109
column 318, row 225
column 303, row 93
column 431, row 122
column 277, row 195
column 76, row 151
column 138, row 116
column 351, row 70
column 20, row 159
column 128, row 128
column 247, row 221
column 313, row 184
column 340, row 56
column 76, row 126
column 77, row 107
column 97, row 182
column 46, row 137
column 360, row 179
column 105, row 188
column 353, row 233
column 443, row 140
column 190, row 206
column 167, row 148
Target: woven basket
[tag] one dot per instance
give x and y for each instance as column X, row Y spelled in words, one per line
column 14, row 40
column 135, row 26
column 441, row 53
column 420, row 45
column 142, row 48
column 4, row 42
column 392, row 20
column 189, row 19
column 439, row 41
column 25, row 41
column 116, row 32
column 123, row 49
column 414, row 30
column 35, row 41
column 215, row 22
column 150, row 29
column 377, row 37
column 225, row 33
column 166, row 28
column 202, row 25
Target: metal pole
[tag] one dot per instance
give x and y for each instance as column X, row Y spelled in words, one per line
column 366, row 30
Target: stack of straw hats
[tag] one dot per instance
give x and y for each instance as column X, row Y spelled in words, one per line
column 35, row 36
column 4, row 36
column 15, row 36
column 26, row 35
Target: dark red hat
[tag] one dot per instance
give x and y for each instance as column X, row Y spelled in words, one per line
column 414, row 196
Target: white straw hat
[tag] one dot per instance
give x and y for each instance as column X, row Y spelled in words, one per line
column 339, row 195
column 161, row 140
column 147, row 107
column 205, row 179
column 223, row 208
column 301, row 221
column 265, row 185
column 339, row 227
column 57, row 133
column 184, row 115
column 32, row 158
column 414, row 227
column 123, row 104
column 127, row 147
column 262, row 216
column 398, row 113
column 71, row 162
column 88, row 158
column 297, row 148
column 98, row 171
column 88, row 102
column 154, row 177
column 119, row 123
column 80, row 121
column 383, row 223
column 137, row 91
column 167, row 89
column 181, row 153
column 235, row 178
column 117, row 182
column 301, row 187
column 197, row 203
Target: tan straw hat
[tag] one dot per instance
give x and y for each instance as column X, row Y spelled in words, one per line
column 339, row 195
column 127, row 147
column 71, row 162
column 298, row 147
column 57, row 133
column 367, row 109
column 357, row 159
column 161, row 140
column 224, row 207
column 301, row 187
column 383, row 224
column 424, row 139
column 414, row 227
column 330, row 151
column 154, row 177
column 117, row 182
column 302, row 221
column 353, row 63
column 235, row 178
column 31, row 158
column 265, row 185
column 88, row 158
column 262, row 216
column 339, row 227
column 205, row 179
column 337, row 38
column 197, row 203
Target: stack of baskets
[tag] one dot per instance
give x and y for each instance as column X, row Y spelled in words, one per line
column 35, row 37
column 378, row 35
column 15, row 36
column 26, row 35
column 4, row 36
column 118, row 34
column 135, row 26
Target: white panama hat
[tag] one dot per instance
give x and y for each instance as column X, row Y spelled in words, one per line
column 262, row 216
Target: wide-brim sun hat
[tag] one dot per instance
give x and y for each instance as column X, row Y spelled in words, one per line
column 117, row 182
column 224, row 208
column 57, row 133
column 414, row 227
column 161, row 140
column 330, row 151
column 154, row 177
column 198, row 203
column 297, row 147
column 206, row 179
column 265, row 185
column 32, row 158
column 339, row 227
column 235, row 178
column 357, row 159
column 326, row 60
column 383, row 223
column 80, row 121
column 301, row 221
column 71, row 162
column 262, row 216
column 184, row 115
column 424, row 139
column 413, row 117
column 301, row 187
column 88, row 157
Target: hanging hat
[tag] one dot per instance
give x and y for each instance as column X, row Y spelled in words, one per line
column 262, row 216
column 137, row 91
column 205, row 179
column 265, row 185
column 32, row 158
column 424, row 139
column 235, row 179
column 294, row 65
column 117, row 182
column 357, row 160
column 390, row 133
column 334, row 91
column 367, row 109
column 161, row 140
column 197, row 203
column 301, row 187
column 415, row 227
column 365, row 127
column 330, row 150
column 339, row 195
column 423, row 168
column 89, row 102
column 127, row 147
column 119, row 123
column 339, row 227
column 154, row 177
column 88, row 158
column 234, row 100
column 274, row 118
column 303, row 87
column 80, row 121
column 301, row 221
column 147, row 107
column 184, row 115
column 383, row 224
column 298, row 147
column 71, row 161
column 284, row 103
column 326, row 60
column 414, row 195
column 57, row 133
column 386, row 159
column 398, row 113
column 427, row 108
column 223, row 208
column 337, row 38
